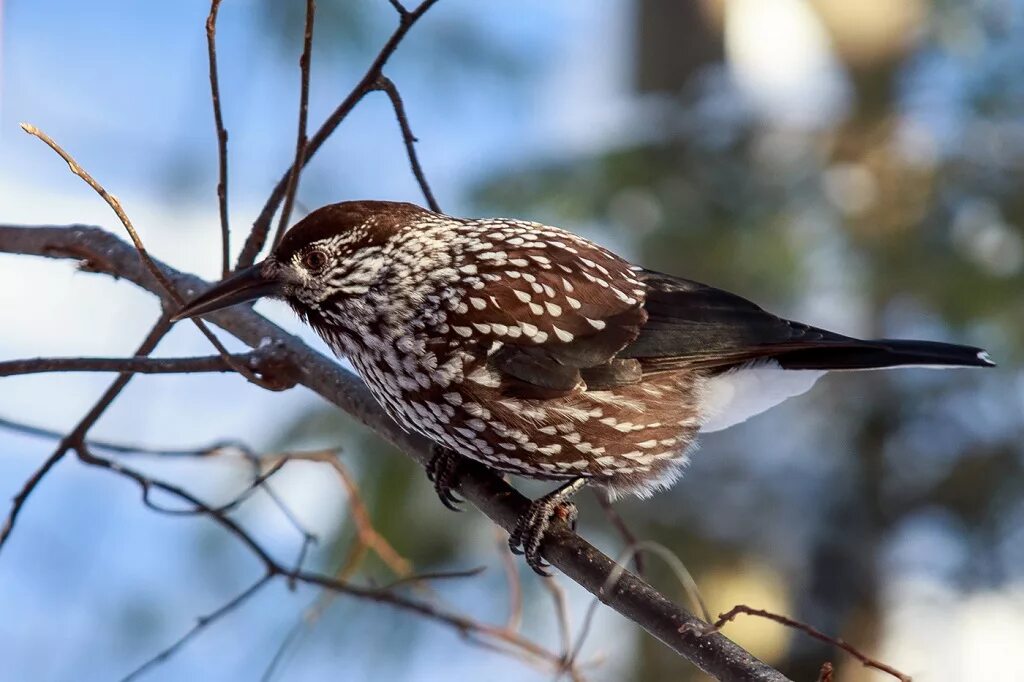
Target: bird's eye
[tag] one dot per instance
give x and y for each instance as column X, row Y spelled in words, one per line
column 315, row 260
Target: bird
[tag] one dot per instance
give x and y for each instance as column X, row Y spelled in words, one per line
column 536, row 352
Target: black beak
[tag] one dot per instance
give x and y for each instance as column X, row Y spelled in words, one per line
column 244, row 285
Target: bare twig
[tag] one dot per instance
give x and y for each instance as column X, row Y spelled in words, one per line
column 115, row 205
column 261, row 226
column 222, row 139
column 201, row 623
column 866, row 660
column 574, row 556
column 435, row 575
column 388, row 87
column 300, row 139
column 561, row 607
column 515, row 589
column 682, row 574
column 78, row 433
column 624, row 530
column 367, row 536
column 213, row 363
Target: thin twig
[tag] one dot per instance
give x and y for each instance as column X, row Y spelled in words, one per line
column 78, row 433
column 436, row 575
column 230, row 505
column 261, row 226
column 866, row 660
column 212, row 363
column 115, row 205
column 615, row 518
column 222, row 139
column 300, row 138
column 515, row 588
column 682, row 574
column 561, row 607
column 388, row 87
column 201, row 623
column 366, row 534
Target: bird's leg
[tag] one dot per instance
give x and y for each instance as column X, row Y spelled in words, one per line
column 443, row 472
column 532, row 525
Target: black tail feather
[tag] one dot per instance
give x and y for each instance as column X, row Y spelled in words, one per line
column 882, row 353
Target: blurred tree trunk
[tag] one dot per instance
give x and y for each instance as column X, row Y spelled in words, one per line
column 673, row 40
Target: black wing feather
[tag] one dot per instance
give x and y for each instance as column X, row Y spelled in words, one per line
column 694, row 325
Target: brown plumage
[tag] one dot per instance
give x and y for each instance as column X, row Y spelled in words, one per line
column 537, row 352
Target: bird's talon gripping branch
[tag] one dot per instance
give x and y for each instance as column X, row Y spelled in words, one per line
column 443, row 472
column 529, row 533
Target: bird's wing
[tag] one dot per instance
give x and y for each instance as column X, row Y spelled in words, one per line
column 694, row 325
column 560, row 306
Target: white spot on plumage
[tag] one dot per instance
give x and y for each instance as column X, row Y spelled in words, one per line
column 597, row 324
column 522, row 296
column 477, row 303
column 563, row 335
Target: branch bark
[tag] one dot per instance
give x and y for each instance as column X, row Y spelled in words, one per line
column 578, row 559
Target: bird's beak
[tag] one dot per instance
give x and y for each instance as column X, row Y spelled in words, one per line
column 244, row 285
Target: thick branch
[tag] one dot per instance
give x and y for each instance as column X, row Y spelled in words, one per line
column 574, row 556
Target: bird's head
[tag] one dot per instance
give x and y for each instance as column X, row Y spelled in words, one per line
column 333, row 255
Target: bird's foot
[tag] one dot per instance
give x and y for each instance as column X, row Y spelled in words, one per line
column 529, row 533
column 443, row 472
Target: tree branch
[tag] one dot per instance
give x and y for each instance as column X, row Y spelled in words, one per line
column 865, row 660
column 300, row 141
column 77, row 435
column 222, row 138
column 388, row 87
column 212, row 363
column 574, row 556
column 147, row 260
column 261, row 226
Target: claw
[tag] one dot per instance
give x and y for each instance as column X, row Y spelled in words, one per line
column 443, row 472
column 529, row 532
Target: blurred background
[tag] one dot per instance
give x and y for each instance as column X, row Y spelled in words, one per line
column 855, row 165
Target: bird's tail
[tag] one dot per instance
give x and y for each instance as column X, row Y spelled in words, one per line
column 882, row 353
